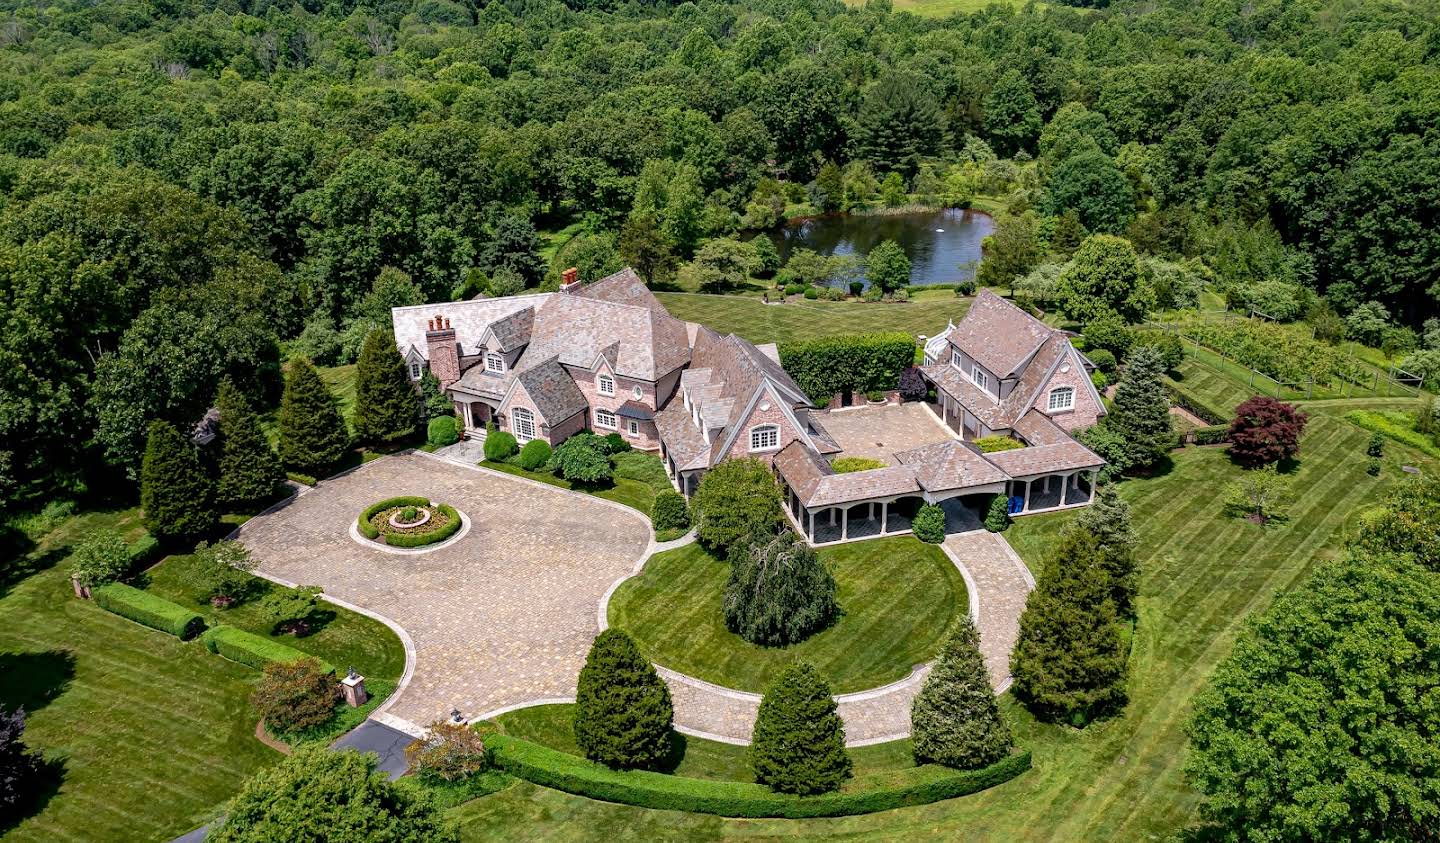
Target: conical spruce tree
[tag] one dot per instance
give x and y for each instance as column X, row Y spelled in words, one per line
column 622, row 708
column 798, row 745
column 249, row 469
column 954, row 720
column 178, row 497
column 1140, row 413
column 387, row 407
column 1108, row 519
column 313, row 435
column 1069, row 665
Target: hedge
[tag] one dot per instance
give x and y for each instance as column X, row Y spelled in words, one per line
column 370, row 531
column 1212, row 435
column 1183, row 398
column 145, row 608
column 439, row 534
column 573, row 774
column 247, row 648
column 144, row 550
column 858, row 362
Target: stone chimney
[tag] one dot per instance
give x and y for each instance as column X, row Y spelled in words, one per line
column 570, row 280
column 444, row 352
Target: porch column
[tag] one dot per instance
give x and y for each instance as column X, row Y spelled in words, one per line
column 1025, row 507
column 467, row 420
column 845, row 524
column 832, row 516
column 1094, row 473
column 884, row 518
column 810, row 516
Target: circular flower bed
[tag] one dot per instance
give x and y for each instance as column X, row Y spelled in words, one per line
column 408, row 522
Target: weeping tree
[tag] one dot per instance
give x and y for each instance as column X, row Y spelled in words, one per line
column 955, row 720
column 779, row 593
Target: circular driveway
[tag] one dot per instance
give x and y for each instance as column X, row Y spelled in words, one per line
column 502, row 617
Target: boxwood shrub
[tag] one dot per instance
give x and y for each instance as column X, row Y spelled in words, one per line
column 442, row 431
column 370, row 531
column 534, row 455
column 247, row 648
column 499, row 445
column 1212, row 435
column 928, row 525
column 439, row 534
column 145, row 608
column 670, row 512
column 572, row 774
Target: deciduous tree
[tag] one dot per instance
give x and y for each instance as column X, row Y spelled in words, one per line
column 1265, row 430
column 779, row 593
column 1106, row 277
column 737, row 500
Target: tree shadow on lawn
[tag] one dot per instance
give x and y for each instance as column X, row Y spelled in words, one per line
column 676, row 754
column 15, row 567
column 41, row 788
column 34, row 680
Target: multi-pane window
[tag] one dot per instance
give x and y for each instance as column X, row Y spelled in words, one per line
column 634, row 427
column 606, row 385
column 764, row 437
column 981, row 379
column 956, row 358
column 1061, row 398
column 604, row 418
column 415, row 371
column 523, row 422
column 494, row 362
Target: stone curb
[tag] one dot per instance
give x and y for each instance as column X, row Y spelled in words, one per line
column 359, row 539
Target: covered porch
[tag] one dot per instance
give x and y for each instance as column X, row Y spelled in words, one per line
column 1049, row 492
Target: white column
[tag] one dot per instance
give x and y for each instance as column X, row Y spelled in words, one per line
column 832, row 516
column 885, row 517
column 810, row 516
column 1026, row 506
column 845, row 524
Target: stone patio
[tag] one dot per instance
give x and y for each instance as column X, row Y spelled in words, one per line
column 504, row 616
column 878, row 432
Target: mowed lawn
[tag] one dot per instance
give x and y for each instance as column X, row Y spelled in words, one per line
column 926, row 313
column 1215, row 388
column 153, row 732
column 900, row 597
column 1202, row 573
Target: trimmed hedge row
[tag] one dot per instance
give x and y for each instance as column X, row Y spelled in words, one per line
column 369, row 530
column 859, row 362
column 1212, row 435
column 253, row 650
column 439, row 534
column 572, row 774
column 148, row 610
column 1183, row 398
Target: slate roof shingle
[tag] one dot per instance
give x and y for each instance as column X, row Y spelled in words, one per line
column 553, row 390
column 999, row 335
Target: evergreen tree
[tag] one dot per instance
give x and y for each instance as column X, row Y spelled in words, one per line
column 644, row 247
column 955, row 720
column 434, row 403
column 249, row 469
column 1108, row 519
column 830, row 188
column 177, row 495
column 779, row 593
column 899, row 123
column 312, row 432
column 1140, row 414
column 386, row 405
column 622, row 708
column 1068, row 663
column 514, row 245
column 798, row 745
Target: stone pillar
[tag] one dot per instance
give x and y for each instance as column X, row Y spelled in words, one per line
column 352, row 688
column 81, row 591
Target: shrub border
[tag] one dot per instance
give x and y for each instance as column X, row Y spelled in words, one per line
column 408, row 540
column 1183, row 398
column 253, row 650
column 146, row 609
column 569, row 773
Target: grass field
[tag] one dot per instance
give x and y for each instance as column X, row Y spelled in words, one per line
column 748, row 316
column 941, row 8
column 1215, row 388
column 1202, row 574
column 900, row 599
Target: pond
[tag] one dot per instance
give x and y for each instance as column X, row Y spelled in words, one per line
column 943, row 245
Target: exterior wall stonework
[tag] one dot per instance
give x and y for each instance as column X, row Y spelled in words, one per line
column 774, row 415
column 648, row 438
column 1086, row 411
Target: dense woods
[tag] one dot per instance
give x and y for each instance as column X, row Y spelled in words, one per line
column 188, row 186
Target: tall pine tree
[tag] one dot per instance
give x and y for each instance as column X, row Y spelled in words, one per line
column 1108, row 519
column 313, row 435
column 1069, row 665
column 249, row 469
column 1140, row 414
column 178, row 497
column 622, row 708
column 387, row 408
column 955, row 720
column 798, row 745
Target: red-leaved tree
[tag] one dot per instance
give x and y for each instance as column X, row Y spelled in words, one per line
column 1265, row 430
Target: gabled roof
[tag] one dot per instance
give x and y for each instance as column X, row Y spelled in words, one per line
column 817, row 484
column 623, row 287
column 950, row 465
column 576, row 329
column 553, row 390
column 999, row 335
column 513, row 331
column 469, row 319
column 1038, row 429
column 1045, row 459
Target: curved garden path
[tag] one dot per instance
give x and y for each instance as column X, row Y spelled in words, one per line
column 501, row 618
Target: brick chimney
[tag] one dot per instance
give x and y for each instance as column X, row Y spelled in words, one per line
column 444, row 352
column 570, row 280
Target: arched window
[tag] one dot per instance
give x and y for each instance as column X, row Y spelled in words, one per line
column 494, row 362
column 1061, row 398
column 764, row 437
column 522, row 423
column 605, row 384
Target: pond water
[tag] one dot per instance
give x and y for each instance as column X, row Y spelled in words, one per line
column 943, row 245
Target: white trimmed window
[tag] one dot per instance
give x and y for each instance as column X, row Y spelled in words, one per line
column 415, row 371
column 604, row 418
column 956, row 358
column 605, row 384
column 764, row 437
column 1061, row 398
column 494, row 362
column 981, row 379
column 522, row 421
column 634, row 427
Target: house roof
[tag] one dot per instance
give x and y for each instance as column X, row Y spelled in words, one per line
column 478, row 381
column 638, row 342
column 1045, row 459
column 553, row 390
column 683, row 442
column 816, row 483
column 634, row 410
column 469, row 319
column 999, row 335
column 513, row 331
column 1038, row 429
column 623, row 287
column 950, row 465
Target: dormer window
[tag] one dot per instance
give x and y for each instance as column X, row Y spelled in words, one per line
column 605, row 384
column 416, row 372
column 1061, row 398
column 764, row 437
column 981, row 379
column 494, row 362
column 956, row 358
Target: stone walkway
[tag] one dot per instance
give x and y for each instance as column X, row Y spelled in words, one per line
column 504, row 616
column 998, row 583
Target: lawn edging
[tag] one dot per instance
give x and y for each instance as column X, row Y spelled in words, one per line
column 569, row 773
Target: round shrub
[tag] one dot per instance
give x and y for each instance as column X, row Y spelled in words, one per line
column 670, row 512
column 582, row 458
column 442, row 431
column 1103, row 359
column 1099, row 380
column 929, row 524
column 857, row 287
column 500, row 445
column 614, row 443
column 794, row 289
column 912, row 385
column 965, row 288
column 812, row 293
column 534, row 455
column 998, row 516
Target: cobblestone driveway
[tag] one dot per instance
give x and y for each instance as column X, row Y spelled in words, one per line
column 503, row 616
